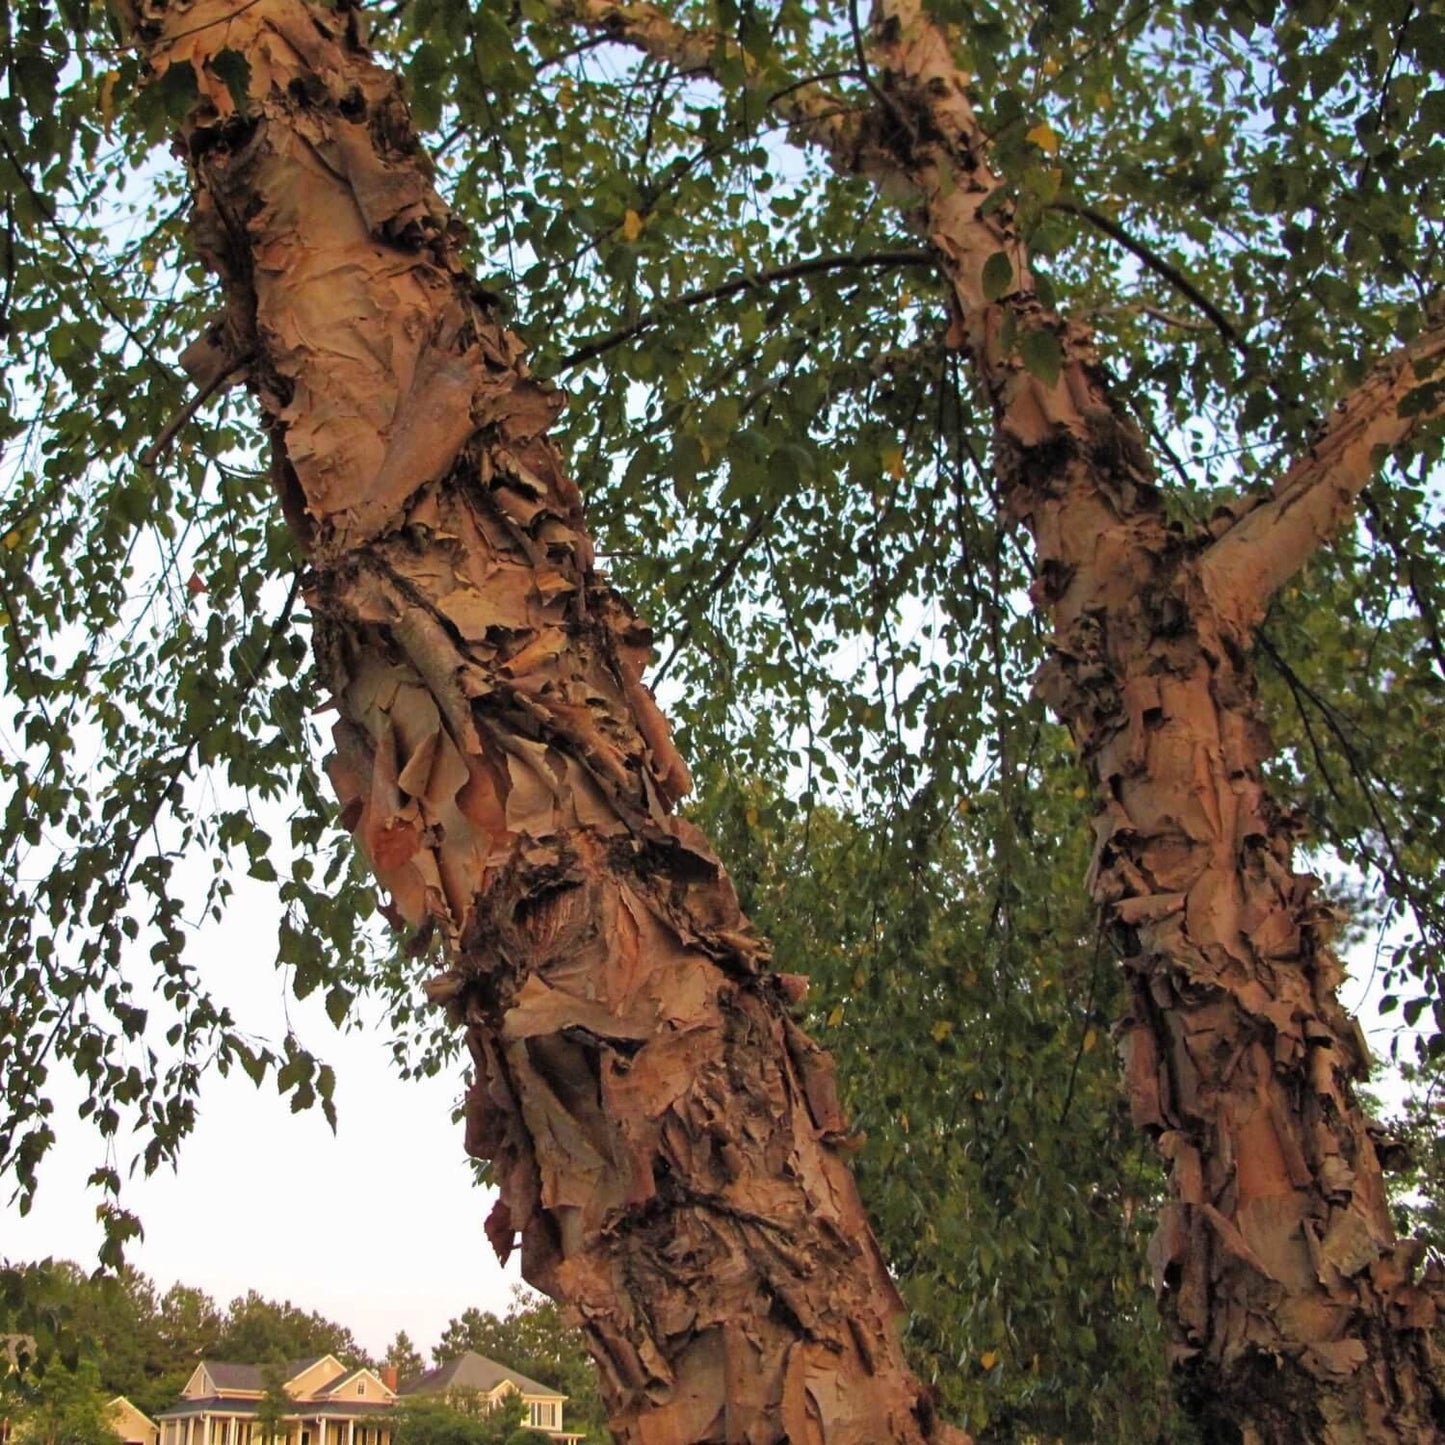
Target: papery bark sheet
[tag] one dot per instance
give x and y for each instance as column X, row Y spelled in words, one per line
column 667, row 1141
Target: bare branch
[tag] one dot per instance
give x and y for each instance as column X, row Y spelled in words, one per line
column 1165, row 270
column 168, row 433
column 1257, row 555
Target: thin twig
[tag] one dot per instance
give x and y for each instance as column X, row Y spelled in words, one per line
column 760, row 281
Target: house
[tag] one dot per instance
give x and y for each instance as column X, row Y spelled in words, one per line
column 133, row 1426
column 475, row 1375
column 329, row 1404
column 222, row 1404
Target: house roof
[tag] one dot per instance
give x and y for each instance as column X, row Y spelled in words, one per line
column 225, row 1375
column 472, row 1371
column 342, row 1380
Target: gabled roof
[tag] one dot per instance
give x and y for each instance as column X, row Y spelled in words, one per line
column 472, row 1371
column 227, row 1376
column 350, row 1377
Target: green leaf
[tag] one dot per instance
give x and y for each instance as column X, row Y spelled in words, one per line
column 338, row 1001
column 998, row 276
column 234, row 70
column 178, row 89
column 1042, row 354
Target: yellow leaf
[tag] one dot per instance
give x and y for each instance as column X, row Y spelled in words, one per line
column 1051, row 66
column 903, row 1122
column 988, row 1359
column 107, row 98
column 1044, row 136
column 893, row 462
column 941, row 1030
column 1081, row 792
column 751, row 817
column 631, row 226
column 12, row 540
column 836, row 1016
column 1090, row 1039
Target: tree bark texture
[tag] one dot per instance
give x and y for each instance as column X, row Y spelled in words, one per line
column 667, row 1142
column 1295, row 1312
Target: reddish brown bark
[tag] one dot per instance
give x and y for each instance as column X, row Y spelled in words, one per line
column 1295, row 1313
column 668, row 1143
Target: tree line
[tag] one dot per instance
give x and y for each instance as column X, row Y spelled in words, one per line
column 95, row 1336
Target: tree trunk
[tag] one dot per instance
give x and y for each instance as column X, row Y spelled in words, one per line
column 1295, row 1313
column 667, row 1142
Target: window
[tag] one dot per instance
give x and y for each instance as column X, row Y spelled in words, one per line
column 543, row 1413
column 361, row 1387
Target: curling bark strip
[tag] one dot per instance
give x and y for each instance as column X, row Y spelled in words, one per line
column 667, row 1142
column 1295, row 1312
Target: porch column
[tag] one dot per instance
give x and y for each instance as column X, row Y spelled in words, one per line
column 351, row 1432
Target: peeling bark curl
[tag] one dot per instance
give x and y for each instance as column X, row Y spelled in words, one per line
column 668, row 1143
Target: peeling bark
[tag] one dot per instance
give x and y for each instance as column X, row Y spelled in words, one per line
column 1295, row 1312
column 668, row 1143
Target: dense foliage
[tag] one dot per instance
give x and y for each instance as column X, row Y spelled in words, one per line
column 462, row 1420
column 789, row 474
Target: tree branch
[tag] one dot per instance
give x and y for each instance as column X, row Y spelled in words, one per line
column 803, row 105
column 168, row 433
column 50, row 216
column 760, row 281
column 1262, row 550
column 1165, row 270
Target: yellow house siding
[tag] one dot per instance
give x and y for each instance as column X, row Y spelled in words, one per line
column 199, row 1385
column 132, row 1425
column 366, row 1386
column 315, row 1377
